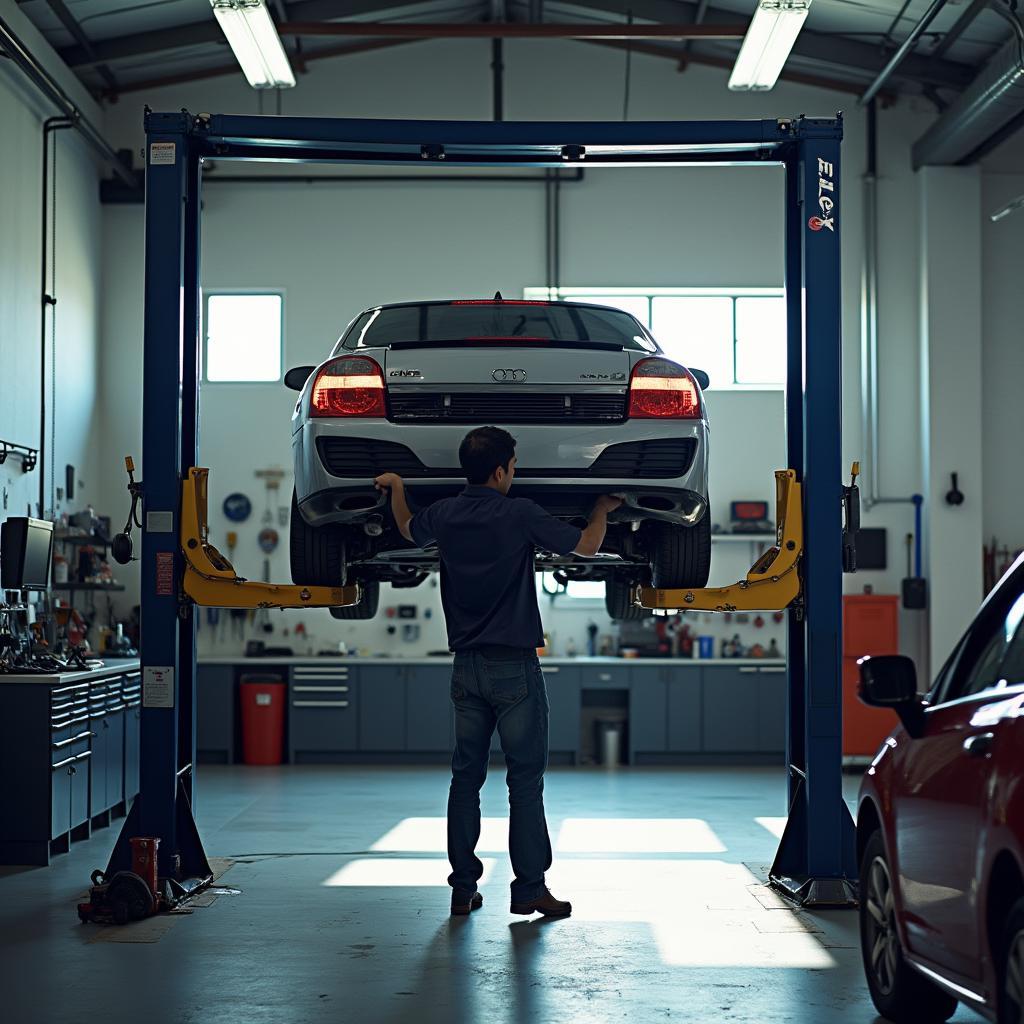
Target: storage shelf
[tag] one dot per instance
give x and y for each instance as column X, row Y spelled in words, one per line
column 87, row 586
column 81, row 539
column 744, row 538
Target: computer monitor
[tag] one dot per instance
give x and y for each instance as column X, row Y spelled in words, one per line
column 26, row 549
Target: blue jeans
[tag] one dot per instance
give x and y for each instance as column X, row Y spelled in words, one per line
column 501, row 686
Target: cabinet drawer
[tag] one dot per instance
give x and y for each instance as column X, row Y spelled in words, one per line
column 323, row 726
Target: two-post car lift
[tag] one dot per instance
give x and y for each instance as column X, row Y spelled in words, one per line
column 815, row 862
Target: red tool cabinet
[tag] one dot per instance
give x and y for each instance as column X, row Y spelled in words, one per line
column 870, row 626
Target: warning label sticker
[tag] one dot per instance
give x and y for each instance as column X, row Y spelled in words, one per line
column 161, row 153
column 165, row 573
column 158, row 686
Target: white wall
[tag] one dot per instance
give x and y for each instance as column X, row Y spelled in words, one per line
column 78, row 230
column 1002, row 363
column 338, row 249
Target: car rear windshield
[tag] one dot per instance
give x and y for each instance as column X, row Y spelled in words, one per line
column 469, row 322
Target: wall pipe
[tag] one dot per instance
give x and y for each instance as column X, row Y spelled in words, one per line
column 48, row 301
column 869, row 322
column 51, row 89
column 897, row 58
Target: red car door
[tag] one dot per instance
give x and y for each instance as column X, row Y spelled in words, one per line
column 941, row 793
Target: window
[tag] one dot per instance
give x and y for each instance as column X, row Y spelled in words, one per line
column 243, row 336
column 991, row 655
column 584, row 590
column 737, row 336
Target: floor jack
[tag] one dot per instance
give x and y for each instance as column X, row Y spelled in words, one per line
column 209, row 580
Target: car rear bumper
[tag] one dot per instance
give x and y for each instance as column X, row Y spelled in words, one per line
column 659, row 467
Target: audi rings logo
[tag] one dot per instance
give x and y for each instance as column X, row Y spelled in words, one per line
column 509, row 376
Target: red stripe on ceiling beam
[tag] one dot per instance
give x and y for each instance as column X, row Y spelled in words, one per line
column 508, row 30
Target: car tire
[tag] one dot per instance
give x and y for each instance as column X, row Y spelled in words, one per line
column 900, row 993
column 681, row 555
column 367, row 605
column 317, row 553
column 618, row 601
column 1011, row 967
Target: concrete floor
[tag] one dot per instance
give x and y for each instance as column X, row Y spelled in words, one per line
column 343, row 912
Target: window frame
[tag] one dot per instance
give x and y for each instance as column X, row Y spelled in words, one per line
column 205, row 296
column 590, row 293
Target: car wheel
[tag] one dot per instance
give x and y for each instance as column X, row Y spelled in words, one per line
column 618, row 601
column 317, row 552
column 367, row 605
column 899, row 992
column 1011, row 967
column 681, row 555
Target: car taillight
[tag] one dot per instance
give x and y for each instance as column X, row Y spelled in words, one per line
column 350, row 386
column 658, row 388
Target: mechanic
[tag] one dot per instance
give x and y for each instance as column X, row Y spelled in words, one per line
column 488, row 589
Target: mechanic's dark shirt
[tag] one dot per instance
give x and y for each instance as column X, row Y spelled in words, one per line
column 487, row 542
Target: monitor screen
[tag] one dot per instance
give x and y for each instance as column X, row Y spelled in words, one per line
column 26, row 547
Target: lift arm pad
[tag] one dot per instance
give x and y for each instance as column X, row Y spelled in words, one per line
column 210, row 579
column 773, row 582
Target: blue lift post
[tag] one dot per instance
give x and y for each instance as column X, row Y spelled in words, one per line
column 815, row 862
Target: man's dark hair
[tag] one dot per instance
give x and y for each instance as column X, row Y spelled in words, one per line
column 483, row 450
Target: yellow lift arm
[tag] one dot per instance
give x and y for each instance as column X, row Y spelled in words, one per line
column 210, row 579
column 773, row 582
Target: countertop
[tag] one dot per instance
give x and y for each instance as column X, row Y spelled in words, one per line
column 240, row 659
column 110, row 667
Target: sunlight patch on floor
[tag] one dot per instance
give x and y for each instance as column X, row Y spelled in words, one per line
column 774, row 825
column 430, row 835
column 395, row 872
column 638, row 835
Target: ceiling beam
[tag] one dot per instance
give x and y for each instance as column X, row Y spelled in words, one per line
column 511, row 30
column 196, row 33
column 233, row 68
column 67, row 19
column 820, row 47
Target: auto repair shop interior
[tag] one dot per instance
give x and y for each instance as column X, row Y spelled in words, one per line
column 297, row 244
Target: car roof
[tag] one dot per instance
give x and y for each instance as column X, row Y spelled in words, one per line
column 500, row 302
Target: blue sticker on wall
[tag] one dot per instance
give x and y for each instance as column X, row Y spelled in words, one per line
column 237, row 507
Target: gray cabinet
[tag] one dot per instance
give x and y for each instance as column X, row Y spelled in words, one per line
column 563, row 684
column 429, row 725
column 771, row 709
column 382, row 708
column 684, row 708
column 131, row 694
column 648, row 709
column 731, row 709
column 215, row 713
column 323, row 710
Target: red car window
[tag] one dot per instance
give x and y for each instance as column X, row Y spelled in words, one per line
column 999, row 660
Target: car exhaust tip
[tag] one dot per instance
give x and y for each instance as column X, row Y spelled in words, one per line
column 374, row 526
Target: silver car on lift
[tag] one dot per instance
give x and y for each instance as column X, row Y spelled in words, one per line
column 594, row 405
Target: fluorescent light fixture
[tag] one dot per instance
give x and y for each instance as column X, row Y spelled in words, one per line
column 255, row 43
column 767, row 44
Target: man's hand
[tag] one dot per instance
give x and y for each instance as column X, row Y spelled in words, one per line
column 388, row 481
column 593, row 536
column 607, row 503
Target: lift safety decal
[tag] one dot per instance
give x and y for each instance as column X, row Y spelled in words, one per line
column 165, row 573
column 826, row 198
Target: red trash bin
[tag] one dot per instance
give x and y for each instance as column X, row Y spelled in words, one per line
column 263, row 702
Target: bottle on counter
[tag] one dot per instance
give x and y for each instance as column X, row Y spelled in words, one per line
column 570, row 648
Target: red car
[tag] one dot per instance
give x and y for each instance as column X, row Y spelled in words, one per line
column 940, row 826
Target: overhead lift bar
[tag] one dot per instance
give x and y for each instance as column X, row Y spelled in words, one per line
column 180, row 569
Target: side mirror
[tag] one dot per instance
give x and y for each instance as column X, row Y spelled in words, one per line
column 890, row 681
column 701, row 377
column 297, row 376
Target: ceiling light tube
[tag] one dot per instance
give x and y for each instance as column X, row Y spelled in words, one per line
column 767, row 44
column 255, row 43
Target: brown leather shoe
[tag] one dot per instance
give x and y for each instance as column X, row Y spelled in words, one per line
column 463, row 903
column 545, row 904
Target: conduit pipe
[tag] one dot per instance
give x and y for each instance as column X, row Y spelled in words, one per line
column 981, row 111
column 51, row 89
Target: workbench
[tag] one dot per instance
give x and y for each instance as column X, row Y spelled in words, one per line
column 69, row 757
column 398, row 711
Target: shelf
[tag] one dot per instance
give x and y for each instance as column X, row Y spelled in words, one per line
column 744, row 538
column 87, row 586
column 75, row 538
